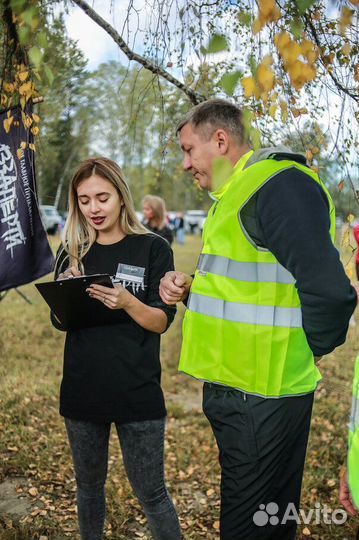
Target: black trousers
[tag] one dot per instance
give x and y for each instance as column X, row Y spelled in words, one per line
column 262, row 445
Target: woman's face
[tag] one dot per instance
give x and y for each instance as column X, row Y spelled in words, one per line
column 148, row 212
column 100, row 203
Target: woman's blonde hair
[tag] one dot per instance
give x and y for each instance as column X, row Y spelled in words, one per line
column 78, row 235
column 158, row 207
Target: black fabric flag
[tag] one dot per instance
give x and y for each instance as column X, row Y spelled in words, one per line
column 25, row 254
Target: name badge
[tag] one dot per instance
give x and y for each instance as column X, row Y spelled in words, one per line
column 129, row 275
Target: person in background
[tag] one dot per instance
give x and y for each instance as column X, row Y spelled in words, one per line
column 356, row 236
column 112, row 372
column 262, row 309
column 155, row 217
column 179, row 228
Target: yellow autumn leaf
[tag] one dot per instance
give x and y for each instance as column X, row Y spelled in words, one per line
column 272, row 110
column 23, row 145
column 345, row 20
column 346, row 49
column 7, row 123
column 309, row 155
column 284, row 111
column 350, row 218
column 257, row 26
column 306, row 46
column 249, row 86
column 26, row 120
column 269, row 10
column 32, row 147
column 23, row 75
column 354, row 2
column 356, row 72
column 309, row 72
column 19, row 153
column 36, row 117
column 267, row 60
column 9, row 87
column 291, row 52
column 313, row 56
column 35, row 130
column 265, row 77
column 281, row 40
column 25, row 89
column 315, row 150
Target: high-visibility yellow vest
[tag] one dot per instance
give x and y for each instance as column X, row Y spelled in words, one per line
column 243, row 323
column 353, row 452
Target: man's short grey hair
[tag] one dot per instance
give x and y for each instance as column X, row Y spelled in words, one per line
column 215, row 114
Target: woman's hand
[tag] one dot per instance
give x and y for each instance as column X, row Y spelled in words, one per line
column 69, row 273
column 113, row 298
column 150, row 318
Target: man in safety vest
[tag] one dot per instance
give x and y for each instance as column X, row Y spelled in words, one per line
column 349, row 483
column 269, row 297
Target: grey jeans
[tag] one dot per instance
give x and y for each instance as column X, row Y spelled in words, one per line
column 142, row 446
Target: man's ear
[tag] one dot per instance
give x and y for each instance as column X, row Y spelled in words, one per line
column 222, row 140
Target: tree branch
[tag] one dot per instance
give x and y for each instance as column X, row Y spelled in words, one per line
column 131, row 55
column 337, row 83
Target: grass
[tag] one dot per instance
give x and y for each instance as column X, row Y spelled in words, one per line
column 34, row 449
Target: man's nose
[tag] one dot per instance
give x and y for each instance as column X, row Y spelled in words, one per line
column 187, row 165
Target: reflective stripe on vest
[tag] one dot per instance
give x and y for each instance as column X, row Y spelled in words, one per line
column 245, row 271
column 245, row 313
column 354, row 415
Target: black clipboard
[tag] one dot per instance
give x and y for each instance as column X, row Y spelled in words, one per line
column 72, row 305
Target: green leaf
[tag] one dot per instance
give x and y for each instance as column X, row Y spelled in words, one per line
column 17, row 5
column 253, row 64
column 303, row 5
column 24, row 34
column 42, row 39
column 229, row 82
column 35, row 55
column 222, row 170
column 255, row 137
column 245, row 18
column 49, row 75
column 297, row 28
column 217, row 44
column 28, row 15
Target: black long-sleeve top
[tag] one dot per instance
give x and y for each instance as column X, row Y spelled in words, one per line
column 289, row 216
column 112, row 372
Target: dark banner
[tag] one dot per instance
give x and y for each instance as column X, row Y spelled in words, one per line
column 25, row 254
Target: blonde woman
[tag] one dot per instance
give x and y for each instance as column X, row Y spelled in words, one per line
column 154, row 213
column 112, row 372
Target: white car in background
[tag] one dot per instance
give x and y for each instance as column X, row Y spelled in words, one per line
column 51, row 219
column 194, row 220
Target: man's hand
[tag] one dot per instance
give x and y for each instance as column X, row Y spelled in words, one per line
column 345, row 497
column 174, row 287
